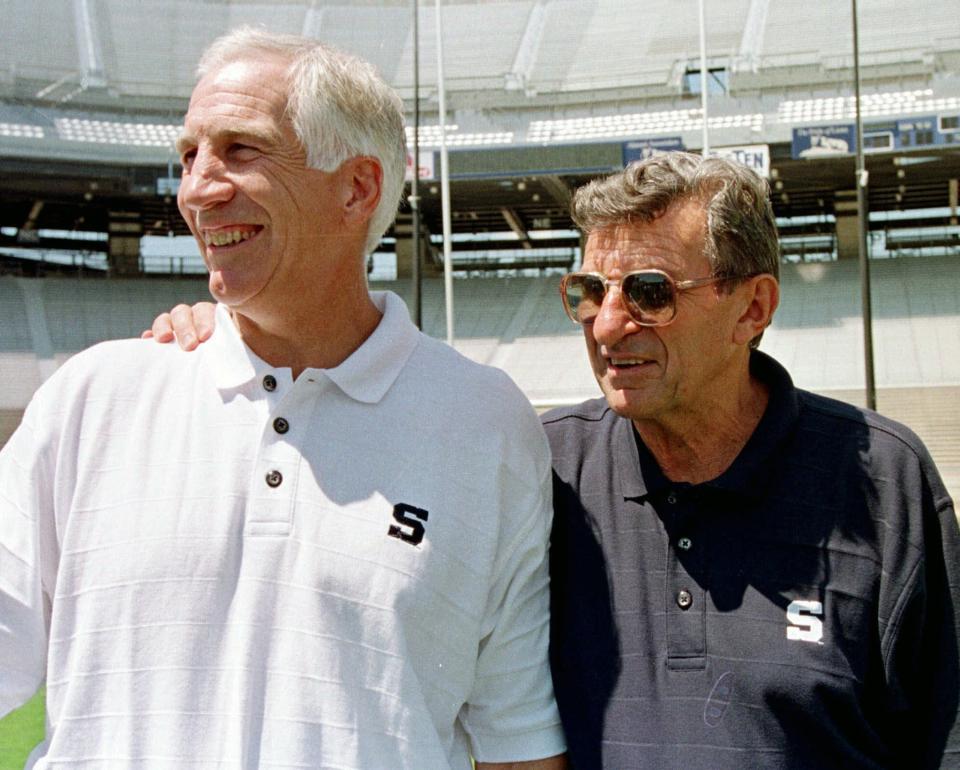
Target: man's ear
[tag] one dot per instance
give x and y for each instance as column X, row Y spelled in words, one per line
column 759, row 296
column 363, row 180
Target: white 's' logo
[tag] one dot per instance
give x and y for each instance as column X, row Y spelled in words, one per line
column 803, row 626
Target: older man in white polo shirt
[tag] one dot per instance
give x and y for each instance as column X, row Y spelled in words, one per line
column 320, row 540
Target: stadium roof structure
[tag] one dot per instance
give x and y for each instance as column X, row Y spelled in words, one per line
column 542, row 95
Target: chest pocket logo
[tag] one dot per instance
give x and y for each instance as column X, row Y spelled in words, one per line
column 409, row 527
column 803, row 625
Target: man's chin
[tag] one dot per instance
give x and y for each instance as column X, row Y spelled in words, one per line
column 225, row 293
column 629, row 403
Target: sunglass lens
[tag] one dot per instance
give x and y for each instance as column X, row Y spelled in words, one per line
column 650, row 297
column 583, row 295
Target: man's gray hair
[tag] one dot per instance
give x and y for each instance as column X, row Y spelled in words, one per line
column 339, row 106
column 741, row 237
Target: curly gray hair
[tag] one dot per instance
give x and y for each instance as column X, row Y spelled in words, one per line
column 741, row 232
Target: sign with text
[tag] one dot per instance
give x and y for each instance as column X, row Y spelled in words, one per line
column 823, row 141
column 755, row 156
column 641, row 149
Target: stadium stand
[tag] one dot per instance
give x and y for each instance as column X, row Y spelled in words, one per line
column 26, row 36
column 826, row 30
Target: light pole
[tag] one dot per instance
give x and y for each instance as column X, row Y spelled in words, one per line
column 703, row 78
column 863, row 251
column 414, row 183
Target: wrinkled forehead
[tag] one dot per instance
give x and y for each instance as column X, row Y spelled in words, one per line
column 244, row 97
column 673, row 242
column 257, row 86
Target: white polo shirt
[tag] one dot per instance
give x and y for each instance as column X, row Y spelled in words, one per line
column 215, row 566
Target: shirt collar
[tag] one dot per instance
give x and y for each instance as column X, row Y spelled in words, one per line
column 366, row 375
column 751, row 472
column 637, row 478
column 371, row 369
column 233, row 364
column 755, row 467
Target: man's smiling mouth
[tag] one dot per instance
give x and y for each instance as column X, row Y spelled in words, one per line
column 228, row 236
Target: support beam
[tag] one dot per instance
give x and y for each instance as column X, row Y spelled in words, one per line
column 406, row 251
column 751, row 41
column 518, row 79
column 30, row 224
column 123, row 245
column 88, row 44
column 558, row 189
column 312, row 22
column 847, row 224
column 516, row 224
column 37, row 325
column 952, row 192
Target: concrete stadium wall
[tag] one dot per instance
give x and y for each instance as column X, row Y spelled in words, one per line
column 518, row 325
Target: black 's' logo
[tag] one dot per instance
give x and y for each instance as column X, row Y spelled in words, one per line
column 411, row 520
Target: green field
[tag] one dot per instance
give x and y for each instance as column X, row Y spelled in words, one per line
column 19, row 733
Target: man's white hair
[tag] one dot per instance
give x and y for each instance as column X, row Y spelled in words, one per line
column 339, row 106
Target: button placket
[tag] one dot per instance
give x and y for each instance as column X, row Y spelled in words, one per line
column 685, row 586
column 274, row 482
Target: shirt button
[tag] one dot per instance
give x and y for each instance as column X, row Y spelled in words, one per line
column 274, row 479
column 684, row 544
column 672, row 499
column 269, row 382
column 684, row 599
column 280, row 425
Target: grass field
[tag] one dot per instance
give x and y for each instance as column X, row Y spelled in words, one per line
column 19, row 733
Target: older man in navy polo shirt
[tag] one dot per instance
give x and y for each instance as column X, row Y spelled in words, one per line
column 744, row 574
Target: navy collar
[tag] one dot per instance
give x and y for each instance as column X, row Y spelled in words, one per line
column 753, row 469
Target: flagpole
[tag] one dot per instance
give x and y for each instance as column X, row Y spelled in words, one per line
column 863, row 252
column 704, row 75
column 414, row 183
column 444, row 182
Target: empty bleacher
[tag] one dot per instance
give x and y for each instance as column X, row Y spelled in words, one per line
column 889, row 31
column 25, row 35
column 480, row 44
column 509, row 321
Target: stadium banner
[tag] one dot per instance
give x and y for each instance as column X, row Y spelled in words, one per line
column 878, row 136
column 641, row 149
column 823, row 141
column 911, row 133
column 755, row 156
column 426, row 167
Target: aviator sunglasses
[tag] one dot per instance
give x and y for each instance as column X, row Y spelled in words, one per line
column 649, row 296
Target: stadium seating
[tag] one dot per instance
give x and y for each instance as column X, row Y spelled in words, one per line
column 518, row 324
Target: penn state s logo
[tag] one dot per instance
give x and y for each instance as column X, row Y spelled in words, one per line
column 803, row 621
column 409, row 527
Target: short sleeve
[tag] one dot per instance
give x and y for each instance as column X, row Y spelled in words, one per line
column 28, row 556
column 922, row 659
column 511, row 714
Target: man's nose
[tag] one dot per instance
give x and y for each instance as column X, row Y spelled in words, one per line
column 613, row 322
column 206, row 183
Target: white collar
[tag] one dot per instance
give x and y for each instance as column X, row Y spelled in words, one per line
column 366, row 375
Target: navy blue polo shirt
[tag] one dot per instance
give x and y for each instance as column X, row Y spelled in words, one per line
column 797, row 611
